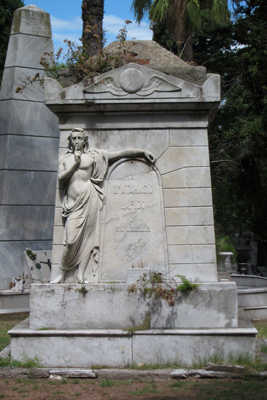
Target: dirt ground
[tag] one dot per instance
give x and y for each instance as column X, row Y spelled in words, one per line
column 105, row 389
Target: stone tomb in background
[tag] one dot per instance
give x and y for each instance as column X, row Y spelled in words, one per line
column 156, row 216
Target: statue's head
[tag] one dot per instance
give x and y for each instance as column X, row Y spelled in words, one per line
column 81, row 132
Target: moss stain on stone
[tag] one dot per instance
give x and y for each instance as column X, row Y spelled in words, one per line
column 142, row 327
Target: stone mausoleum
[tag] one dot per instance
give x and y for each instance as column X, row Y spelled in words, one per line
column 156, row 216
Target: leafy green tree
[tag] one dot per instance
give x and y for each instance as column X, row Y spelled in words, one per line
column 7, row 8
column 238, row 135
column 182, row 17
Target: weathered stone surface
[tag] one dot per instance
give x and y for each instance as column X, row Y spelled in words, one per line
column 175, row 179
column 5, row 353
column 133, row 274
column 133, row 226
column 188, row 137
column 14, row 300
column 177, row 216
column 179, row 157
column 109, row 347
column 118, row 139
column 202, row 373
column 14, row 77
column 64, row 306
column 197, row 235
column 73, row 373
column 3, row 144
column 18, row 373
column 126, row 374
column 201, row 216
column 28, row 187
column 195, row 272
column 165, row 117
column 38, row 159
column 193, row 197
column 181, row 253
column 204, row 254
column 31, row 20
column 224, row 367
column 152, row 55
column 11, row 373
column 109, row 89
column 16, row 50
column 198, row 177
column 186, row 348
column 180, row 373
column 29, row 140
column 34, row 222
column 83, row 351
column 24, row 111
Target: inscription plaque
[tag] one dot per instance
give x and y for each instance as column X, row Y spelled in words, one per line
column 133, row 221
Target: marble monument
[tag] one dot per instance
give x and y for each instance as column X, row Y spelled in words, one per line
column 136, row 196
column 29, row 138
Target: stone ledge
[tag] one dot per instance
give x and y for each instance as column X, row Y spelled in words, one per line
column 22, row 329
column 121, row 374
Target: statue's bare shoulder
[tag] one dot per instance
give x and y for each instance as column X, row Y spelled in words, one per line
column 66, row 154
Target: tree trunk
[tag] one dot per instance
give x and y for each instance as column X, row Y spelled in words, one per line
column 92, row 16
column 188, row 51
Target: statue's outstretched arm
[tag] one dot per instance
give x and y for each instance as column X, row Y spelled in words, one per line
column 131, row 153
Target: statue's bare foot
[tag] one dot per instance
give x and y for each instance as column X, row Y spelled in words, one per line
column 59, row 279
column 80, row 279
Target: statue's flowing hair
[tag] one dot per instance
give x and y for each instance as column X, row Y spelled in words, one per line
column 86, row 142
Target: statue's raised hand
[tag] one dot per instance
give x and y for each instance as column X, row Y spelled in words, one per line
column 149, row 156
column 77, row 156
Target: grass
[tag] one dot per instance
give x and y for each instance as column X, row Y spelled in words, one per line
column 261, row 327
column 207, row 389
column 8, row 321
column 228, row 390
column 107, row 382
column 146, row 390
column 26, row 362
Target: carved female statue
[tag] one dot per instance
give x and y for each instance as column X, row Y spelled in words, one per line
column 82, row 170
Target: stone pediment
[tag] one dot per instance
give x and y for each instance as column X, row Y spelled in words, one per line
column 132, row 79
column 132, row 84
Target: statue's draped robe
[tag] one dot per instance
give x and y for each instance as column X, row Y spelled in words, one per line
column 81, row 236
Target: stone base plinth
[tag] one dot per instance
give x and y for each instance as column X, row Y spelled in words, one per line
column 99, row 324
column 114, row 306
column 117, row 348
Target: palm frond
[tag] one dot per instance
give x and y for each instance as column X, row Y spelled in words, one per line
column 159, row 9
column 140, row 8
column 192, row 15
column 219, row 10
